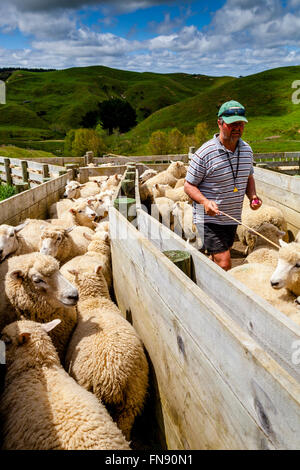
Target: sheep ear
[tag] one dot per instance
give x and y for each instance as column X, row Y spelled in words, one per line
column 19, row 227
column 68, row 230
column 87, row 236
column 16, row 274
column 73, row 211
column 282, row 243
column 50, row 325
column 23, row 338
column 73, row 271
column 98, row 269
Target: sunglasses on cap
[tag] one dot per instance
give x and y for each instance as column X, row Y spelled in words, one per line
column 233, row 112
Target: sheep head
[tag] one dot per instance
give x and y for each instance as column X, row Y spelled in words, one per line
column 52, row 239
column 8, row 239
column 287, row 272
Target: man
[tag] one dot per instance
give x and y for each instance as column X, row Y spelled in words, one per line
column 219, row 175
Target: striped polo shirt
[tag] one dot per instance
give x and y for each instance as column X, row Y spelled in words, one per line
column 210, row 171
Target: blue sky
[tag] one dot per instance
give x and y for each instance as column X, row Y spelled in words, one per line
column 224, row 37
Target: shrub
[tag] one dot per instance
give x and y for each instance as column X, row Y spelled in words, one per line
column 175, row 141
column 79, row 141
column 158, row 143
column 7, row 191
column 201, row 133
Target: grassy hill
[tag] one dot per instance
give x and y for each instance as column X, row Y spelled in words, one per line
column 52, row 102
column 44, row 105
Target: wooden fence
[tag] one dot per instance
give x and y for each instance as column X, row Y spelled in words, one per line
column 26, row 174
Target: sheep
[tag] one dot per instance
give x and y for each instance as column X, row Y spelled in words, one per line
column 147, row 174
column 183, row 212
column 263, row 252
column 175, row 171
column 257, row 277
column 63, row 244
column 179, row 183
column 31, row 285
column 42, row 407
column 287, row 272
column 254, row 219
column 98, row 254
column 11, row 243
column 79, row 214
column 105, row 354
column 163, row 207
column 74, row 189
column 178, row 194
column 112, row 182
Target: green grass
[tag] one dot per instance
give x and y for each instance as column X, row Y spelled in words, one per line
column 7, row 191
column 11, row 151
column 43, row 106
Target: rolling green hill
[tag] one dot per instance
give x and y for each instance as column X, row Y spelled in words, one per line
column 45, row 105
column 59, row 100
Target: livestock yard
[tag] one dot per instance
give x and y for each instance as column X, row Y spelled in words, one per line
column 148, row 352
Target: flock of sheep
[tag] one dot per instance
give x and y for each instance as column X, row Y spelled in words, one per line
column 273, row 274
column 76, row 371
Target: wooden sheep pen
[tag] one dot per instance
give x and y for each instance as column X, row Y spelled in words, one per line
column 222, row 358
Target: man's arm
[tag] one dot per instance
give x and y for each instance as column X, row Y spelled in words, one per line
column 255, row 202
column 195, row 194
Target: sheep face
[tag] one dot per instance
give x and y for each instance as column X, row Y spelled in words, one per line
column 34, row 281
column 177, row 169
column 8, row 240
column 28, row 342
column 287, row 272
column 72, row 190
column 83, row 214
column 52, row 239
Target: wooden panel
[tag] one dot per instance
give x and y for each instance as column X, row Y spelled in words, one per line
column 269, row 327
column 188, row 320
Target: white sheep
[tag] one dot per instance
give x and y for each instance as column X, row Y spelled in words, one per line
column 105, row 354
column 263, row 251
column 162, row 208
column 170, row 176
column 176, row 194
column 42, row 407
column 183, row 213
column 254, row 219
column 147, row 174
column 287, row 272
column 64, row 244
column 79, row 214
column 31, row 285
column 98, row 253
column 74, row 189
column 11, row 243
column 179, row 183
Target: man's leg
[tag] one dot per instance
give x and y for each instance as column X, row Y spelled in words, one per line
column 222, row 259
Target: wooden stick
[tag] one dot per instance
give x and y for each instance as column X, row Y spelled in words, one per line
column 251, row 229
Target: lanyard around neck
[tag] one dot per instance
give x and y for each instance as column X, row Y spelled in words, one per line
column 234, row 174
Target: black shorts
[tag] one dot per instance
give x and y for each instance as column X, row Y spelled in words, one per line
column 218, row 237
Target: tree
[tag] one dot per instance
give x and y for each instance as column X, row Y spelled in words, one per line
column 117, row 113
column 158, row 143
column 175, row 141
column 201, row 133
column 79, row 141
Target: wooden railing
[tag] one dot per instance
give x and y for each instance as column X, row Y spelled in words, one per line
column 25, row 174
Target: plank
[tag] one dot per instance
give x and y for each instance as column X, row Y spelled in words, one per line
column 267, row 392
column 269, row 327
column 202, row 411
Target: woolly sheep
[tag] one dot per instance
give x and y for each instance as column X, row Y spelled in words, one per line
column 147, row 174
column 263, row 252
column 105, row 354
column 183, row 212
column 254, row 219
column 257, row 277
column 287, row 272
column 63, row 244
column 175, row 171
column 79, row 214
column 74, row 189
column 11, row 243
column 31, row 285
column 180, row 183
column 178, row 194
column 163, row 208
column 98, row 254
column 42, row 407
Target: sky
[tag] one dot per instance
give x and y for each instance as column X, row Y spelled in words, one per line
column 223, row 37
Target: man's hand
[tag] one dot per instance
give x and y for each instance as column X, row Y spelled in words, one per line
column 211, row 208
column 255, row 203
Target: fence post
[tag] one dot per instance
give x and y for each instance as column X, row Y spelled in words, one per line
column 191, row 152
column 45, row 172
column 7, row 171
column 24, row 167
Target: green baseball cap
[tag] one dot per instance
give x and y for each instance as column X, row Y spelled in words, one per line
column 232, row 111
